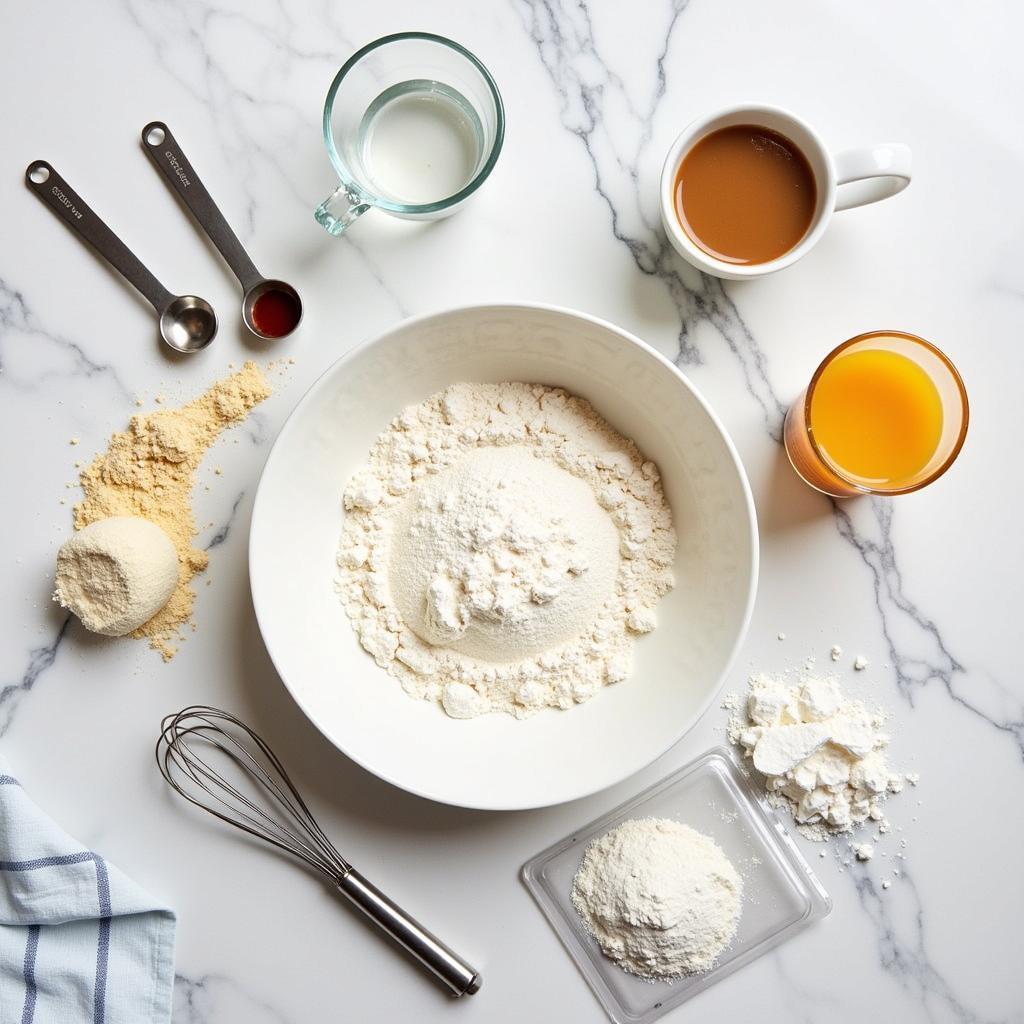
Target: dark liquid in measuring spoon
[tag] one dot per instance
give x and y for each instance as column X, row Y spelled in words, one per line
column 745, row 194
column 275, row 314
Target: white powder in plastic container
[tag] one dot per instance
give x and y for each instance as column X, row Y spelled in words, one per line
column 661, row 899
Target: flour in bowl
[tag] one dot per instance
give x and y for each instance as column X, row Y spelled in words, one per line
column 502, row 549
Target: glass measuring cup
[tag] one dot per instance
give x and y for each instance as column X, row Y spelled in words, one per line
column 818, row 467
column 413, row 124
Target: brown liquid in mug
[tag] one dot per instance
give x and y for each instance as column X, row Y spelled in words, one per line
column 745, row 194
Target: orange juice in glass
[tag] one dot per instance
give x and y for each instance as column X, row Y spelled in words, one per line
column 885, row 413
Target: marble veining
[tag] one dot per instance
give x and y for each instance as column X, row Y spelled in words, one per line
column 66, row 358
column 616, row 145
column 40, row 659
column 181, row 38
column 243, row 84
column 209, row 998
column 903, row 947
column 220, row 534
column 931, row 662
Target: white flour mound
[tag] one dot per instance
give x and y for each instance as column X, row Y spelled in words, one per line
column 822, row 755
column 513, row 553
column 661, row 899
column 502, row 549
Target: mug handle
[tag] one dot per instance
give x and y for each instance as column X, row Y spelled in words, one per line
column 884, row 170
column 340, row 209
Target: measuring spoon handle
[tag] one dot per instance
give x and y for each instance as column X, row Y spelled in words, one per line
column 163, row 149
column 69, row 206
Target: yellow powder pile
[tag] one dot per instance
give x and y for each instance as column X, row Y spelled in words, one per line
column 147, row 471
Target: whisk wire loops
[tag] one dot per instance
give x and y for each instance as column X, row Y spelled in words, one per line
column 183, row 753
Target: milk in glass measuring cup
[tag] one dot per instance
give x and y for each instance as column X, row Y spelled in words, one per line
column 413, row 124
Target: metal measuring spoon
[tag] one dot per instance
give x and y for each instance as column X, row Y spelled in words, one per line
column 187, row 322
column 280, row 300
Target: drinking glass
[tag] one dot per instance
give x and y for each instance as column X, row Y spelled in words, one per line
column 814, row 466
column 409, row 72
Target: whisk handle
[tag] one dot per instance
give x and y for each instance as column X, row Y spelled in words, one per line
column 460, row 978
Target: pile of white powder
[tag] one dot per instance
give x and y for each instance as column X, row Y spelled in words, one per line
column 661, row 899
column 822, row 755
column 502, row 549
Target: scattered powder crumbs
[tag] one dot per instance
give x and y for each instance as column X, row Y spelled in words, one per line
column 74, row 440
column 836, row 652
column 147, row 471
column 818, row 753
column 886, row 884
column 860, row 663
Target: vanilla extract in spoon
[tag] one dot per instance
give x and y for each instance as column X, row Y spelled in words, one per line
column 271, row 309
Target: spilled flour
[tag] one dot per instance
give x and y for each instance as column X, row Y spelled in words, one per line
column 147, row 471
column 822, row 755
column 503, row 548
column 661, row 898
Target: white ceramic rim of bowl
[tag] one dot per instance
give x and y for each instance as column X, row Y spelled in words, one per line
column 778, row 119
column 748, row 499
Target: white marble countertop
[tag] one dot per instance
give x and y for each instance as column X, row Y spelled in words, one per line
column 925, row 587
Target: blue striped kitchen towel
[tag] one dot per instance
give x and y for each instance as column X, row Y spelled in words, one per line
column 79, row 942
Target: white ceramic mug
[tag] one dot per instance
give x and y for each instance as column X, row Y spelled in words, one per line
column 866, row 175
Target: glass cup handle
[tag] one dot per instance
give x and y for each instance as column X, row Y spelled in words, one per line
column 873, row 173
column 340, row 209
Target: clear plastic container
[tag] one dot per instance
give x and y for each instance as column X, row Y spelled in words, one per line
column 781, row 896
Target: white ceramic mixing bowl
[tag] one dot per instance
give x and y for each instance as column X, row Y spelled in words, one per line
column 494, row 761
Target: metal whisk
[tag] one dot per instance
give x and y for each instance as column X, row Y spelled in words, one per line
column 284, row 820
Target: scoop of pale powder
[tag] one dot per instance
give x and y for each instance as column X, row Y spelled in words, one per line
column 147, row 471
column 116, row 574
